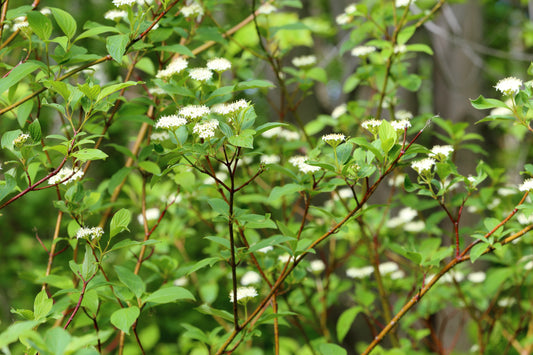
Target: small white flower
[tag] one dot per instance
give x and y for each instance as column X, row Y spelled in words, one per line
column 250, row 278
column 403, row 115
column 222, row 176
column 218, row 64
column 230, row 108
column 200, row 74
column 284, row 258
column 476, row 277
column 159, row 136
column 265, row 249
column 343, row 193
column 397, row 180
column 405, row 215
column 509, row 86
column 21, row 139
column 506, row 191
column 171, row 122
column 424, row 165
column 524, row 219
column 335, row 138
column 529, row 265
column 343, row 19
column 339, row 111
column 115, row 15
column 64, row 173
column 400, row 48
column 151, row 215
column 244, row 294
column 192, row 10
column 359, row 273
column 182, row 281
column 46, row 11
column 93, row 233
column 441, row 151
column 304, row 61
column 19, row 23
column 350, row 9
column 119, row 3
column 472, row 179
column 289, row 135
column 363, row 51
column 388, row 267
column 403, row 3
column 317, row 266
column 156, row 91
column 207, row 129
column 453, row 275
column 194, row 111
column 267, row 9
column 527, row 185
column 371, row 124
column 400, row 125
column 269, row 159
column 414, row 227
column 506, row 302
column 299, row 161
column 398, row 274
column 173, row 68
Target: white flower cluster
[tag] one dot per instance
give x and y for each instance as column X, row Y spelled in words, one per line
column 405, row 215
column 333, row 138
column 151, row 215
column 403, row 3
column 347, row 16
column 359, row 272
column 191, row 10
column 304, row 61
column 159, row 136
column 283, row 133
column 244, row 294
column 218, row 64
column 527, row 185
column 93, row 233
column 267, row 9
column 115, row 15
column 299, row 161
column 171, row 122
column 403, row 115
column 206, row 129
column 250, row 278
column 119, row 3
column 509, row 86
column 194, row 111
column 269, row 159
column 339, row 111
column 316, row 266
column 441, row 151
column 400, row 125
column 19, row 23
column 66, row 173
column 174, row 67
column 21, row 139
column 423, row 165
column 371, row 124
column 230, row 108
column 363, row 51
column 200, row 74
column 476, row 277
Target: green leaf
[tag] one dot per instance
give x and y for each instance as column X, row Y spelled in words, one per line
column 253, row 84
column 23, row 112
column 16, row 330
column 35, row 130
column 40, row 24
column 245, row 139
column 89, row 154
column 116, row 46
column 205, row 309
column 16, row 74
column 419, row 48
column 57, row 340
column 405, row 34
column 268, row 126
column 345, row 321
column 120, row 222
column 318, row 74
column 331, row 349
column 477, row 250
column 482, row 103
column 130, row 243
column 108, row 90
column 95, row 31
column 219, row 240
column 219, row 205
column 169, row 294
column 89, row 266
column 65, row 21
column 132, row 281
column 281, row 191
column 124, row 318
column 150, row 166
column 361, row 141
column 42, row 305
